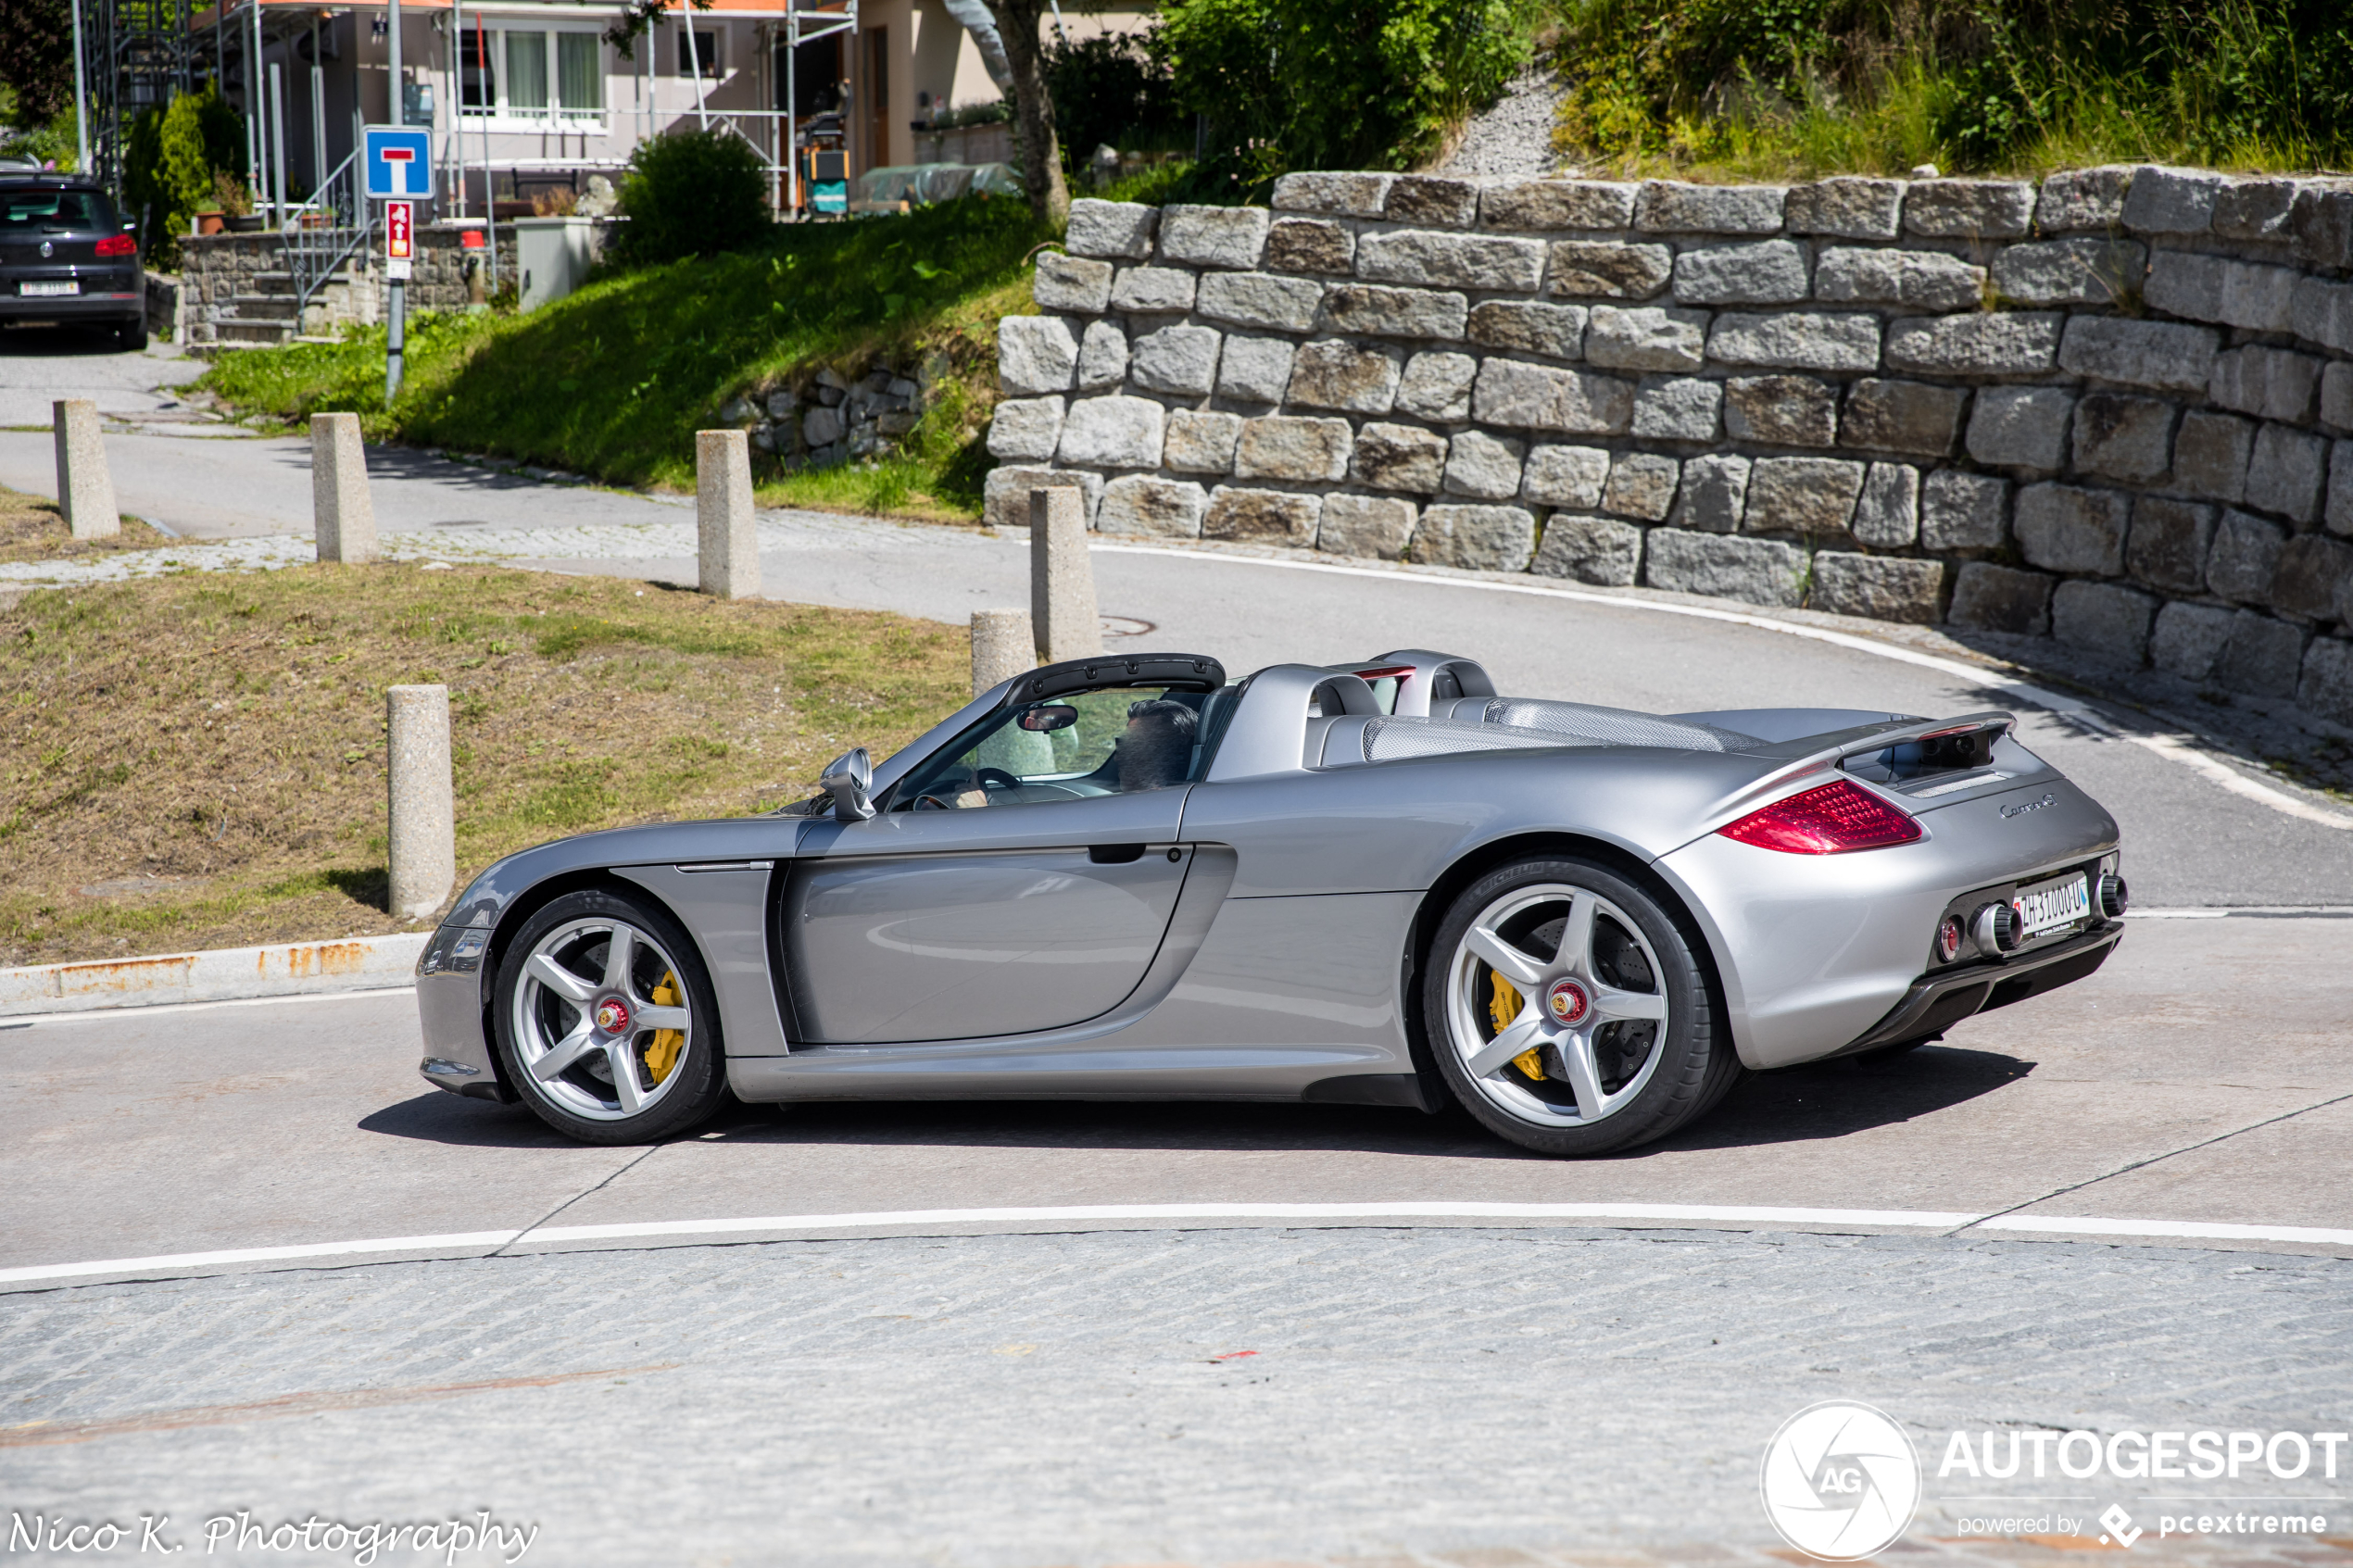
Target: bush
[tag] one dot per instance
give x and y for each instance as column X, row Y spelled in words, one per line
column 691, row 192
column 1767, row 87
column 1337, row 83
column 1113, row 89
column 173, row 165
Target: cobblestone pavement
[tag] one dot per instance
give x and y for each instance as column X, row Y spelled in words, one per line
column 1472, row 1398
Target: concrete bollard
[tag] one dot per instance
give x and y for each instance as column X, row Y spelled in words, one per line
column 342, row 516
column 1061, row 576
column 1003, row 647
column 85, row 491
column 423, row 813
column 726, row 540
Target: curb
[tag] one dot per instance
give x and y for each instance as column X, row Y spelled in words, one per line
column 220, row 976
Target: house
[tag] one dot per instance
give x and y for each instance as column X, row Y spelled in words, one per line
column 529, row 96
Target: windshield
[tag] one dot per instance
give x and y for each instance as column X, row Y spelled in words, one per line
column 1113, row 740
column 55, row 209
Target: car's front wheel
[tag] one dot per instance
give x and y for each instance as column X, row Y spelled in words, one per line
column 1570, row 1013
column 607, row 1020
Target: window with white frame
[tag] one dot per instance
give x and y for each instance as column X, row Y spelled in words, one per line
column 702, row 51
column 538, row 74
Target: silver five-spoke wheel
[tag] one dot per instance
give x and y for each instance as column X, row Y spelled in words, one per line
column 600, row 1018
column 1555, row 1004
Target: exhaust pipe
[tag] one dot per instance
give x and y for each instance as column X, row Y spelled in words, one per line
column 2114, row 897
column 1995, row 926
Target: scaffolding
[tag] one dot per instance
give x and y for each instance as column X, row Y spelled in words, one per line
column 138, row 53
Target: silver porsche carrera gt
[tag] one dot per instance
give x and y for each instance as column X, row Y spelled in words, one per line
column 1380, row 884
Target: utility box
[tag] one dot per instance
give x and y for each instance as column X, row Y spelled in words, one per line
column 554, row 256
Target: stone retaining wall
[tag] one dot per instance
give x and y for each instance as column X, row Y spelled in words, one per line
column 216, row 269
column 2112, row 408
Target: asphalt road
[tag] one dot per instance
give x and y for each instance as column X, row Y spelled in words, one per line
column 925, row 1391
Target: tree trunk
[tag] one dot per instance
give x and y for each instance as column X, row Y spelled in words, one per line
column 1041, row 155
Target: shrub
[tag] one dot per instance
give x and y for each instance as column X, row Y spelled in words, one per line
column 1113, row 89
column 174, row 166
column 1797, row 86
column 692, row 193
column 1338, row 83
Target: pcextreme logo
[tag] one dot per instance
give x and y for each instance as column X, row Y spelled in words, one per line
column 1840, row 1481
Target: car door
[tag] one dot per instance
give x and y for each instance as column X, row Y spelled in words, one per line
column 1031, row 914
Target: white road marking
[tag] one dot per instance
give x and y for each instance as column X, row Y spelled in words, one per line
column 2179, row 749
column 129, row 1009
column 2249, row 911
column 2193, row 1230
column 487, row 1240
column 1603, row 1215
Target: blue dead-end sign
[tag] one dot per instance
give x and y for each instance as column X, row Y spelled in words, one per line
column 398, row 163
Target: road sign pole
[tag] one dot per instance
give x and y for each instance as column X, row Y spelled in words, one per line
column 396, row 321
column 397, row 308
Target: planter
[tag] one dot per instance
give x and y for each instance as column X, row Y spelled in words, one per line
column 251, row 223
column 312, row 220
column 210, row 222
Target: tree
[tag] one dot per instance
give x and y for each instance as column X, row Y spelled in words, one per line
column 1042, row 158
column 36, row 57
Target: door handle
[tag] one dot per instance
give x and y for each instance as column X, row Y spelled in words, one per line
column 1114, row 854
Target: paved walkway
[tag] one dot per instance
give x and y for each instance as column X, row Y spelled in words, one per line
column 1476, row 1398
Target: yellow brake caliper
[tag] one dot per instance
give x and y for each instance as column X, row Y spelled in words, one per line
column 663, row 1055
column 1504, row 1009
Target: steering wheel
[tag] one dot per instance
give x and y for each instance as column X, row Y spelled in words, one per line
column 996, row 778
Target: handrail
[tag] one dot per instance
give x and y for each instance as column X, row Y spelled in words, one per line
column 341, row 219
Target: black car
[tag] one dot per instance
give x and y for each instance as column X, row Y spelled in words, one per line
column 66, row 256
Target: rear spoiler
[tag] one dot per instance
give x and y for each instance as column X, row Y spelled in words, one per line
column 1946, row 743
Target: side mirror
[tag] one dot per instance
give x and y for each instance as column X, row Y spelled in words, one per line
column 1051, row 716
column 848, row 778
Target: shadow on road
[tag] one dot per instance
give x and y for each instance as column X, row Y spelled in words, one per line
column 1827, row 1101
column 57, row 342
column 436, row 1117
column 1832, row 1099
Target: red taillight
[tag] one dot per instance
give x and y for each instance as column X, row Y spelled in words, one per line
column 1828, row 821
column 118, row 245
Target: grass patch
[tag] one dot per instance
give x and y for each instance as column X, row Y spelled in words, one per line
column 33, row 529
column 613, row 381
column 198, row 760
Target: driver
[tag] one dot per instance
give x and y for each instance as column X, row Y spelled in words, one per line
column 1157, row 750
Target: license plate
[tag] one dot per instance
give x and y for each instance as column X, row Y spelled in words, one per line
column 2049, row 905
column 45, row 291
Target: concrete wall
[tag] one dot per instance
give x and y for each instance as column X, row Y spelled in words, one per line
column 2114, row 408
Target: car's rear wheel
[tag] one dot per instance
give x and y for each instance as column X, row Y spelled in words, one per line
column 607, row 1020
column 131, row 333
column 1570, row 1011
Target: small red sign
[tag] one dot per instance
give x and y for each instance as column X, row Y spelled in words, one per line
column 400, row 221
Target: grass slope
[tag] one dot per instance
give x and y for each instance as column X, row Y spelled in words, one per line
column 613, row 381
column 198, row 760
column 1783, row 89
